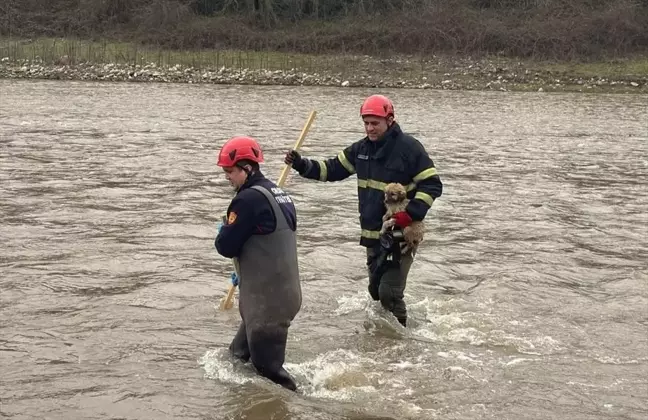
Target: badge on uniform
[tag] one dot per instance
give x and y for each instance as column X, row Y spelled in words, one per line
column 231, row 218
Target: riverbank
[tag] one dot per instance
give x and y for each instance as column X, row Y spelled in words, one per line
column 79, row 60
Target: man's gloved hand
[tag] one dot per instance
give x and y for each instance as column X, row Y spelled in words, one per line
column 402, row 219
column 234, row 279
column 294, row 159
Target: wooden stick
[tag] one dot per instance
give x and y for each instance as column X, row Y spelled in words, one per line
column 227, row 302
column 298, row 144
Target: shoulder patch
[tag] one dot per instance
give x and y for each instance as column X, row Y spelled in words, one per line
column 231, row 218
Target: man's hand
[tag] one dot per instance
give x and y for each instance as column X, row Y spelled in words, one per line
column 235, row 280
column 402, row 219
column 294, row 159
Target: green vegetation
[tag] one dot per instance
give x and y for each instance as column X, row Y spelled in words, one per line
column 541, row 29
column 74, row 51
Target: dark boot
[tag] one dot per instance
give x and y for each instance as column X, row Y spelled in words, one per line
column 284, row 379
column 268, row 348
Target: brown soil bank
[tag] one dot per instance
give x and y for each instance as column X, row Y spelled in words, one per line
column 540, row 29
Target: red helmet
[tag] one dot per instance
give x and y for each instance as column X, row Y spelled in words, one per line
column 377, row 105
column 239, row 148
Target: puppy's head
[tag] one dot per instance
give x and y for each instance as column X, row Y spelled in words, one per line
column 395, row 193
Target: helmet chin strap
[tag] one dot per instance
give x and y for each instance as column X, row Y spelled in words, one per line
column 247, row 171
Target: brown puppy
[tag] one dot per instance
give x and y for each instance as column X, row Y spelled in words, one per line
column 396, row 200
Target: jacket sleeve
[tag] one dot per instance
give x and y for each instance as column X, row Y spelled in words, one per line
column 240, row 226
column 337, row 168
column 428, row 183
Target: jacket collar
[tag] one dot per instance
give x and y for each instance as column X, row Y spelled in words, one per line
column 383, row 147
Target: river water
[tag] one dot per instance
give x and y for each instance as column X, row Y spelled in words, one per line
column 528, row 299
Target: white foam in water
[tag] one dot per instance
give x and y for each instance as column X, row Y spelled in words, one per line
column 362, row 302
column 457, row 371
column 219, row 365
column 616, row 361
column 378, row 318
column 404, row 365
column 459, row 355
column 429, row 311
column 517, row 360
column 548, row 343
column 436, row 327
column 467, row 335
column 353, row 303
column 427, row 334
column 475, row 328
column 338, row 374
column 533, row 346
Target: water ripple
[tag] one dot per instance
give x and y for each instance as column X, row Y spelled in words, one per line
column 528, row 297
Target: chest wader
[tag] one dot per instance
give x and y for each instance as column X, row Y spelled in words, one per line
column 387, row 276
column 269, row 298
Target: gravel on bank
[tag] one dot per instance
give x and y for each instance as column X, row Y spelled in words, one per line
column 474, row 76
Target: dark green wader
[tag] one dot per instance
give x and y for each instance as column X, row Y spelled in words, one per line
column 388, row 278
column 269, row 298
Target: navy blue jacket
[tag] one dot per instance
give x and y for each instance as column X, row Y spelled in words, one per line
column 396, row 157
column 249, row 214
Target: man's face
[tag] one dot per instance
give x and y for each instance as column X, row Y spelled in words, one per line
column 375, row 127
column 235, row 175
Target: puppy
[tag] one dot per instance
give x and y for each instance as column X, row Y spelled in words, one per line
column 395, row 201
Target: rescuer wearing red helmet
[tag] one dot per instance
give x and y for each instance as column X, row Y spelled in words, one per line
column 386, row 155
column 259, row 232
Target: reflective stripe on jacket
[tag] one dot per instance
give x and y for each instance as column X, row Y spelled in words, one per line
column 397, row 157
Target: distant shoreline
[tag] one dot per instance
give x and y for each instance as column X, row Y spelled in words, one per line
column 181, row 74
column 64, row 59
